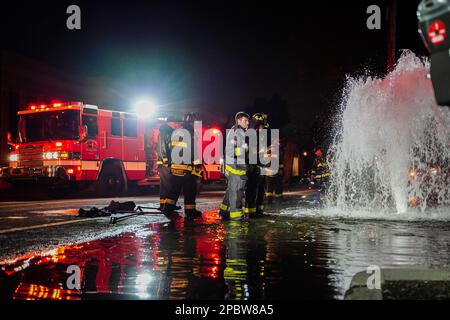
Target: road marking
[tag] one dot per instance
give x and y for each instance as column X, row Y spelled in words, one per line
column 58, row 212
column 18, row 204
column 54, row 224
column 14, row 218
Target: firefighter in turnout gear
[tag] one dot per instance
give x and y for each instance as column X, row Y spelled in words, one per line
column 163, row 150
column 183, row 175
column 236, row 160
column 320, row 173
column 254, row 194
column 274, row 180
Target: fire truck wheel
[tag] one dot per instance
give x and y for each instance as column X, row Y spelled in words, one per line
column 110, row 182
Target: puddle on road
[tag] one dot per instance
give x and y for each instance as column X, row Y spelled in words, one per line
column 201, row 259
column 277, row 257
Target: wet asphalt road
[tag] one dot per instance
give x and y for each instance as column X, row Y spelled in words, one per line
column 295, row 252
column 27, row 226
column 38, row 224
column 39, row 239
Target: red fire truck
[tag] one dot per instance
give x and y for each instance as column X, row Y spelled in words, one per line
column 66, row 143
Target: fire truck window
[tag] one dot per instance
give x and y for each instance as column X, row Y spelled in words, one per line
column 116, row 129
column 91, row 123
column 130, row 128
column 61, row 124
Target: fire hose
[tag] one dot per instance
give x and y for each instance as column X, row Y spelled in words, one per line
column 137, row 212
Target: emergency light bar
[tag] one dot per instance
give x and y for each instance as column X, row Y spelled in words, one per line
column 54, row 105
column 51, row 106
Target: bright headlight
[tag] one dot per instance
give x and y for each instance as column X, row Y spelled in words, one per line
column 50, row 155
column 144, row 108
column 14, row 157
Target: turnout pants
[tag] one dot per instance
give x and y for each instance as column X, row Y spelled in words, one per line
column 186, row 182
column 164, row 184
column 231, row 206
column 254, row 194
column 274, row 186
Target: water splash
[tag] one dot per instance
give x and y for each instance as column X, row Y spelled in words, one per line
column 391, row 146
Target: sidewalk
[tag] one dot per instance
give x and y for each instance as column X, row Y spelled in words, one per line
column 402, row 284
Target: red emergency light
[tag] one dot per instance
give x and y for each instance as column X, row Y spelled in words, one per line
column 53, row 104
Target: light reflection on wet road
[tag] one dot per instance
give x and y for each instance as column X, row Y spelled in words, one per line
column 276, row 257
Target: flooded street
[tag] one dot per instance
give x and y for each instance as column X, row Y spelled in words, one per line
column 133, row 132
column 292, row 253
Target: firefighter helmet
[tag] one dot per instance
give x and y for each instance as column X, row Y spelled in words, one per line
column 318, row 153
column 259, row 118
column 189, row 117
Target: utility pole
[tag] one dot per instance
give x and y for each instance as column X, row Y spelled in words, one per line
column 392, row 34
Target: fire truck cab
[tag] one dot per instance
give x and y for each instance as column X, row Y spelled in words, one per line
column 64, row 143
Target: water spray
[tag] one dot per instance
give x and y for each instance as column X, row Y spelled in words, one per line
column 391, row 146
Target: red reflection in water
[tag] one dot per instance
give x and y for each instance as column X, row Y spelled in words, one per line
column 103, row 265
column 37, row 292
column 209, row 247
column 127, row 264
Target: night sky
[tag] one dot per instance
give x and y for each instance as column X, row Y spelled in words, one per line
column 220, row 56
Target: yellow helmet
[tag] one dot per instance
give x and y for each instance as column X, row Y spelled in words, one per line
column 260, row 118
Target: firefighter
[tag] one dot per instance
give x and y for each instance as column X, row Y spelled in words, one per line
column 254, row 194
column 163, row 150
column 320, row 173
column 183, row 176
column 236, row 173
column 274, row 180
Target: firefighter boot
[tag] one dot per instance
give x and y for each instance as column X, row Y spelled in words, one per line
column 162, row 205
column 223, row 212
column 225, row 215
column 192, row 213
column 259, row 211
column 255, row 215
column 169, row 208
